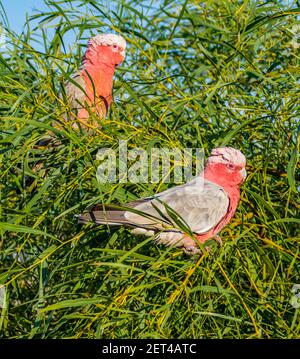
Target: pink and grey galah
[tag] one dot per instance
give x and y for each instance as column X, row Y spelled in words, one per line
column 206, row 204
column 90, row 88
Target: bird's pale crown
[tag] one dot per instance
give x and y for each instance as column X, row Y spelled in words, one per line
column 109, row 40
column 227, row 155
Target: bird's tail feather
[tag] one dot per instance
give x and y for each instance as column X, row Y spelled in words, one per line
column 105, row 216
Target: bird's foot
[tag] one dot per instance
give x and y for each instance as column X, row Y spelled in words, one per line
column 191, row 250
column 218, row 239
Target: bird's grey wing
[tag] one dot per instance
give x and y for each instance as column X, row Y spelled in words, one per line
column 201, row 206
column 75, row 91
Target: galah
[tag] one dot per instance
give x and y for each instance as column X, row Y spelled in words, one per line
column 90, row 89
column 206, row 204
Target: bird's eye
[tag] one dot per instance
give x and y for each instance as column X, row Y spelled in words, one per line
column 115, row 46
column 231, row 166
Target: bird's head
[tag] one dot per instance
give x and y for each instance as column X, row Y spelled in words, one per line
column 108, row 49
column 229, row 165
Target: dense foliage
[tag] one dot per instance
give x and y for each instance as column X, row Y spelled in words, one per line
column 198, row 75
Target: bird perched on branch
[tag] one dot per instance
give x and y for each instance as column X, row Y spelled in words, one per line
column 203, row 206
column 90, row 89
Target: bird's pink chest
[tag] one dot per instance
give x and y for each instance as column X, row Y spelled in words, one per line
column 234, row 196
column 99, row 84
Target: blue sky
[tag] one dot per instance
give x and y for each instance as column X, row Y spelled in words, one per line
column 16, row 11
